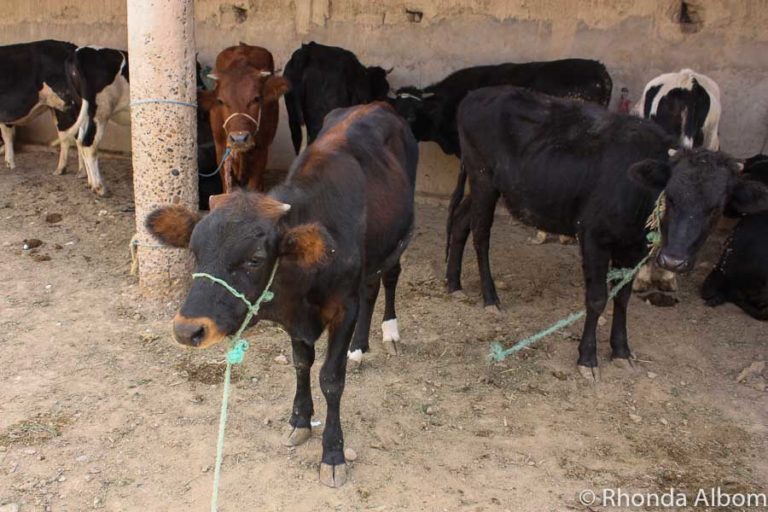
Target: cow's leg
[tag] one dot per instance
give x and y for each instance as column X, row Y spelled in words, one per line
column 91, row 160
column 64, row 143
column 359, row 343
column 82, row 172
column 333, row 469
column 644, row 279
column 714, row 289
column 390, row 334
column 7, row 132
column 620, row 353
column 594, row 262
column 458, row 240
column 484, row 198
column 301, row 415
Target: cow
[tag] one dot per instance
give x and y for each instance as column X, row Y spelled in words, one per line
column 431, row 112
column 580, row 170
column 323, row 78
column 741, row 274
column 100, row 77
column 33, row 80
column 244, row 112
column 337, row 226
column 687, row 105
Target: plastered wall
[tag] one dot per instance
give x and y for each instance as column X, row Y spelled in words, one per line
column 726, row 39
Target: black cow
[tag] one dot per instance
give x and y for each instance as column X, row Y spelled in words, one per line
column 431, row 111
column 323, row 78
column 32, row 80
column 337, row 226
column 577, row 169
column 741, row 275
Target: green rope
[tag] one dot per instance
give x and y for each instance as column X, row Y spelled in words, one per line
column 235, row 355
column 623, row 275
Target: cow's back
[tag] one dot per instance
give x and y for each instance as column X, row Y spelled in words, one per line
column 364, row 163
column 558, row 162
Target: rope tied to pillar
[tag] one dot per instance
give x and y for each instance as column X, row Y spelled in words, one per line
column 622, row 275
column 235, row 355
column 147, row 101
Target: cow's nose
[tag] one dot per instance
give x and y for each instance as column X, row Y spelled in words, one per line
column 188, row 332
column 238, row 137
column 672, row 263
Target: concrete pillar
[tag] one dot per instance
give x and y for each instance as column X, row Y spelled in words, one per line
column 161, row 46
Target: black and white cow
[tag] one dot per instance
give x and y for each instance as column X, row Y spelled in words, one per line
column 577, row 169
column 33, row 80
column 100, row 78
column 741, row 275
column 323, row 78
column 687, row 105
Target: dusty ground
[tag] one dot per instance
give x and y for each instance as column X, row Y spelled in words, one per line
column 100, row 410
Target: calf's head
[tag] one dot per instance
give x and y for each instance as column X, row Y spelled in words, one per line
column 239, row 242
column 417, row 108
column 698, row 186
column 237, row 101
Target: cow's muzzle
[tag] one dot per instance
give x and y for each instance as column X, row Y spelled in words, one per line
column 198, row 332
column 673, row 263
column 240, row 140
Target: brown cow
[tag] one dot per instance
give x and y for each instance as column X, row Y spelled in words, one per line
column 244, row 112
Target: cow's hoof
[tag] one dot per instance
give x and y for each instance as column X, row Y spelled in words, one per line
column 10, row 165
column 298, row 436
column 59, row 172
column 100, row 191
column 624, row 363
column 390, row 335
column 668, row 285
column 493, row 309
column 81, row 174
column 457, row 294
column 333, row 476
column 591, row 374
column 541, row 238
column 354, row 359
column 566, row 240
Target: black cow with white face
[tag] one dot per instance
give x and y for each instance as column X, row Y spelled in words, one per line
column 741, row 275
column 577, row 169
column 33, row 80
column 323, row 78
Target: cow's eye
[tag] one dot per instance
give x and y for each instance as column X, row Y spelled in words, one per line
column 220, row 101
column 255, row 262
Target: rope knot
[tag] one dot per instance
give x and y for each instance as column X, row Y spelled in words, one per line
column 237, row 352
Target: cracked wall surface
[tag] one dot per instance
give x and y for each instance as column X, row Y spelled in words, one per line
column 637, row 40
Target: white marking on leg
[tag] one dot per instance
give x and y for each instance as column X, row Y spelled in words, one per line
column 389, row 330
column 643, row 279
column 303, row 138
column 7, row 134
column 355, row 355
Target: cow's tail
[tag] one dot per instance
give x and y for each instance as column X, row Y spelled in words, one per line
column 456, row 198
column 76, row 82
column 293, row 72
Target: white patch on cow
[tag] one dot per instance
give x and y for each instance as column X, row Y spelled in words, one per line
column 303, row 138
column 91, row 46
column 7, row 133
column 684, row 80
column 48, row 97
column 687, row 142
column 389, row 330
column 355, row 355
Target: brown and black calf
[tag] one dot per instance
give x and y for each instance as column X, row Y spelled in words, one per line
column 337, row 226
column 244, row 112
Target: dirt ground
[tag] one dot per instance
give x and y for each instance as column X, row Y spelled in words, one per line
column 99, row 409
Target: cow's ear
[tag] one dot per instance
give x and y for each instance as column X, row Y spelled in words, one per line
column 748, row 197
column 652, row 174
column 308, row 245
column 206, row 99
column 274, row 87
column 172, row 225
